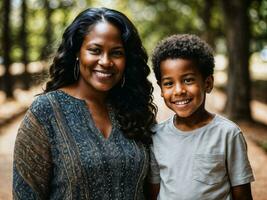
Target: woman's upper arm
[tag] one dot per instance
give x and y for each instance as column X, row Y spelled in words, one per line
column 32, row 160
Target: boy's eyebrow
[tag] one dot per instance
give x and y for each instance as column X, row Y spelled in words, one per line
column 191, row 73
column 186, row 74
column 165, row 78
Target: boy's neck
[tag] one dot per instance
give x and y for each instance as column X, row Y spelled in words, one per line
column 195, row 121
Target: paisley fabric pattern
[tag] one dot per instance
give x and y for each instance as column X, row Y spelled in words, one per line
column 60, row 154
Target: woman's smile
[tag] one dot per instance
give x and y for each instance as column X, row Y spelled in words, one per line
column 102, row 58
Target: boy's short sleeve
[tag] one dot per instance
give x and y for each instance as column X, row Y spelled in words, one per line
column 239, row 168
column 154, row 175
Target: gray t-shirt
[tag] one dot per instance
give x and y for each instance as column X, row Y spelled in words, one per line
column 201, row 164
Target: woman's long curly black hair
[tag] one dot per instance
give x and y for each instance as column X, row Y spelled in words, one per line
column 132, row 103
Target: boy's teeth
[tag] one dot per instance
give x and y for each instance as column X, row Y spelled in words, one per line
column 181, row 102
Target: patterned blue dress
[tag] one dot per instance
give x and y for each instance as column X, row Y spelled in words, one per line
column 60, row 154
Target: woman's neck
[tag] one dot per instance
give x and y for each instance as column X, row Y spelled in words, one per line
column 90, row 96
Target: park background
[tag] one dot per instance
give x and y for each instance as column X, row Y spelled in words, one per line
column 30, row 31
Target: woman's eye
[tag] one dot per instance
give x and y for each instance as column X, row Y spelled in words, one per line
column 94, row 50
column 117, row 53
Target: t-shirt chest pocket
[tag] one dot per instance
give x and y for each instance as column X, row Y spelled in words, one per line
column 209, row 168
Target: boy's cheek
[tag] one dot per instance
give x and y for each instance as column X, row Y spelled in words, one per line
column 165, row 93
column 161, row 93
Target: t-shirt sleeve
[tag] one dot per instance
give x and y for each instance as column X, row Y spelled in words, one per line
column 32, row 164
column 239, row 168
column 154, row 175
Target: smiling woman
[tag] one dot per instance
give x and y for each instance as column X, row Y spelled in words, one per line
column 86, row 136
column 102, row 58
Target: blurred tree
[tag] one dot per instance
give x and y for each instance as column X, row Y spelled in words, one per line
column 24, row 43
column 47, row 46
column 7, row 78
column 158, row 19
column 208, row 34
column 1, row 34
column 237, row 27
column 258, row 17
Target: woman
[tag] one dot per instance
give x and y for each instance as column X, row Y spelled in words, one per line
column 86, row 136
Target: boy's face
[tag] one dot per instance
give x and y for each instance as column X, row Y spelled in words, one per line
column 183, row 87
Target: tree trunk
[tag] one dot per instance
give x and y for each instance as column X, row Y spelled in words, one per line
column 47, row 48
column 7, row 78
column 24, row 46
column 237, row 37
column 208, row 35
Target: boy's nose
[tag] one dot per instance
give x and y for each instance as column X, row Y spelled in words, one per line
column 179, row 89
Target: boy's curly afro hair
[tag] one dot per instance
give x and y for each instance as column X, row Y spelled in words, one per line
column 185, row 46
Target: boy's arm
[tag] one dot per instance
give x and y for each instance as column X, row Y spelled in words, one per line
column 242, row 192
column 154, row 191
column 154, row 176
column 239, row 169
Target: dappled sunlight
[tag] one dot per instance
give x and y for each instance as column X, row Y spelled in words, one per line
column 10, row 108
column 17, row 68
column 37, row 66
column 258, row 67
column 2, row 70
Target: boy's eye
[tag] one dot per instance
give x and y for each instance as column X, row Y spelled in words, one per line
column 188, row 80
column 167, row 83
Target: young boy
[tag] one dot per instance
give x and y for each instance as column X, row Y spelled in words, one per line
column 196, row 155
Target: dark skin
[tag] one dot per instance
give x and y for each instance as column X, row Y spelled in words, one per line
column 154, row 191
column 181, row 79
column 102, row 62
column 242, row 192
column 96, row 104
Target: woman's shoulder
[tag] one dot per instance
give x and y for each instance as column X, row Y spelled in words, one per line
column 41, row 106
column 40, row 102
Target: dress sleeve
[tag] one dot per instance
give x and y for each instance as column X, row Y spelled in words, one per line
column 239, row 168
column 32, row 164
column 154, row 175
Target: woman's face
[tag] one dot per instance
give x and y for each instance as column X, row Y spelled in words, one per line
column 102, row 57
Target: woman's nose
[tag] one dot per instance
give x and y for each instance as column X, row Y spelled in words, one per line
column 105, row 61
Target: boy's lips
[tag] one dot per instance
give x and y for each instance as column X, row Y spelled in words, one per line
column 181, row 102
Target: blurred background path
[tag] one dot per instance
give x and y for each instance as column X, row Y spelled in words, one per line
column 215, row 101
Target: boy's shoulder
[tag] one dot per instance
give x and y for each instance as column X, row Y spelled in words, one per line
column 159, row 127
column 222, row 122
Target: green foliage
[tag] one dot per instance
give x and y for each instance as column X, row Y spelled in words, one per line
column 154, row 19
column 258, row 16
column 158, row 19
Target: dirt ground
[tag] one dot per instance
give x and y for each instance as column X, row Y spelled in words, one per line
column 215, row 101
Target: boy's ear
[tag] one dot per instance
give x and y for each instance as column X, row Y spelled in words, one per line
column 158, row 82
column 209, row 83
